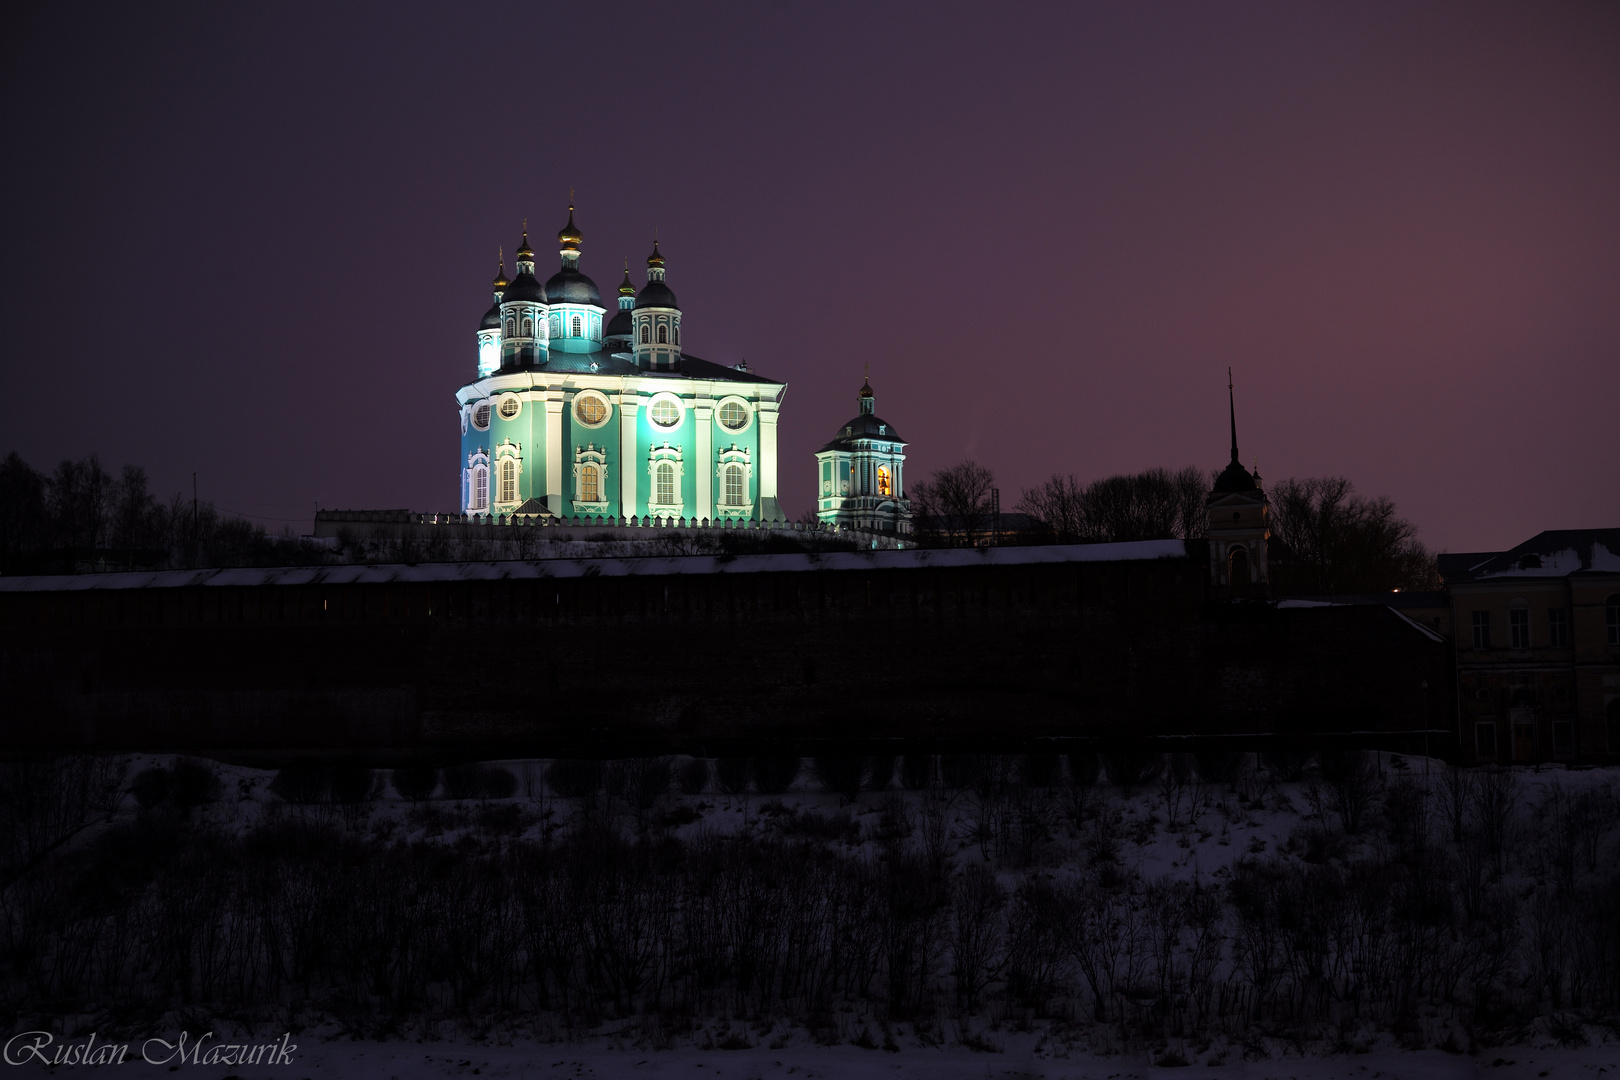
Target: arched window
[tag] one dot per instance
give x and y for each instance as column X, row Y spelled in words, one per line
column 576, row 326
column 1238, row 572
column 528, row 327
column 590, row 484
column 480, row 488
column 1611, row 613
column 677, row 333
column 664, row 492
column 508, row 481
column 511, row 325
column 884, row 487
column 735, row 491
column 644, row 334
column 663, row 334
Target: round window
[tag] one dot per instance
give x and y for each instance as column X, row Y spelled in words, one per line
column 481, row 416
column 733, row 416
column 509, row 407
column 665, row 413
column 590, row 410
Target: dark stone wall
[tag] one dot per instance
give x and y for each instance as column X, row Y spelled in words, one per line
column 993, row 656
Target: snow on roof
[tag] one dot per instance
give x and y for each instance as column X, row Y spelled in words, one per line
column 621, row 567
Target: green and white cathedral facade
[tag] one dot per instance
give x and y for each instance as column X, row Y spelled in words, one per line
column 861, row 474
column 575, row 414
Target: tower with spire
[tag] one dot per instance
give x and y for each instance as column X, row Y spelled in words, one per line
column 860, row 474
column 1239, row 523
column 573, row 417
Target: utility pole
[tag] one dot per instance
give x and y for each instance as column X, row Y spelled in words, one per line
column 196, row 524
column 995, row 517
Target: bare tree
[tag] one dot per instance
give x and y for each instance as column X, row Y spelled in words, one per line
column 1345, row 542
column 952, row 508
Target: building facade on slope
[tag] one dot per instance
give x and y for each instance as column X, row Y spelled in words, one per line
column 574, row 413
column 1538, row 648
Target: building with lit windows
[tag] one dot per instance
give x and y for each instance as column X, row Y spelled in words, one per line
column 576, row 414
column 860, row 474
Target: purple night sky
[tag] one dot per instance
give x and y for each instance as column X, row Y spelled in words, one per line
column 256, row 242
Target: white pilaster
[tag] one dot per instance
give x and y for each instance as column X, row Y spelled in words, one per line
column 767, row 449
column 703, row 416
column 554, row 451
column 630, row 464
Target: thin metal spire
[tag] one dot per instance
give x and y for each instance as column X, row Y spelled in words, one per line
column 1231, row 406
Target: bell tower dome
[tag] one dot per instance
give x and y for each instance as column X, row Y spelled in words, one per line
column 523, row 314
column 657, row 320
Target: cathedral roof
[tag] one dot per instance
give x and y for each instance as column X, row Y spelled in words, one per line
column 568, row 286
column 492, row 318
column 606, row 363
column 865, row 426
column 621, row 325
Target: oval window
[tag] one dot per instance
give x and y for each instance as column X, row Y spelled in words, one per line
column 481, row 416
column 509, row 408
column 665, row 413
column 733, row 416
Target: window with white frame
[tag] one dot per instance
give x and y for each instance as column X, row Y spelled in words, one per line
column 1482, row 629
column 481, row 416
column 677, row 333
column 663, row 334
column 733, row 416
column 590, row 483
column 664, row 484
column 508, row 481
column 576, row 327
column 645, row 338
column 736, row 486
column 480, row 489
column 590, row 479
column 510, row 406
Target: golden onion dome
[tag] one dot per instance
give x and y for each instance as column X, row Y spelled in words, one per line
column 569, row 237
column 625, row 288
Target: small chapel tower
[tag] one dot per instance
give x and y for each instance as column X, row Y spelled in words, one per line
column 1239, row 524
column 860, row 474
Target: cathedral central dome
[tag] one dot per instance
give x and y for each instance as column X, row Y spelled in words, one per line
column 568, row 286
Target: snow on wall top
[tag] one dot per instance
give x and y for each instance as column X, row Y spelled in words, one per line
column 617, row 567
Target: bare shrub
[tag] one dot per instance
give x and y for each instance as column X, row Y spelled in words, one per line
column 497, row 782
column 694, row 776
column 961, row 771
column 1130, row 768
column 917, row 771
column 151, row 786
column 842, row 774
column 1218, row 766
column 194, row 784
column 1353, row 785
column 416, row 782
column 1041, row 770
column 731, row 774
column 775, row 773
column 575, row 778
column 1286, row 765
column 302, row 782
column 461, row 781
column 882, row 769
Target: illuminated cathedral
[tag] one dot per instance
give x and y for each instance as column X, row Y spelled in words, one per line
column 577, row 414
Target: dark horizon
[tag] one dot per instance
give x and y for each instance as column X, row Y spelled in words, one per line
column 259, row 241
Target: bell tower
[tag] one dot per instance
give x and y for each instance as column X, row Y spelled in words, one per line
column 1239, row 524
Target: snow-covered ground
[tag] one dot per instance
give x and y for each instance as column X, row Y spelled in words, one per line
column 1159, row 829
